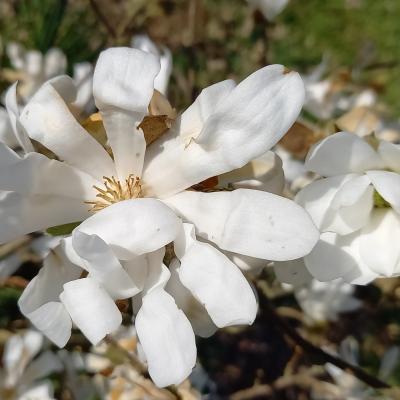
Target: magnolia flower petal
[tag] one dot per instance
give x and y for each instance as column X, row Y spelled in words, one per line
column 123, row 84
column 342, row 153
column 48, row 120
column 293, row 272
column 198, row 316
column 216, row 283
column 124, row 79
column 144, row 43
column 167, row 339
column 391, row 155
column 249, row 222
column 13, row 113
column 40, row 300
column 387, row 185
column 244, row 125
column 34, row 173
column 263, row 173
column 380, row 257
column 91, row 308
column 350, row 207
column 332, row 258
column 21, row 214
column 55, row 63
column 127, row 142
column 104, row 266
column 317, row 197
column 133, row 227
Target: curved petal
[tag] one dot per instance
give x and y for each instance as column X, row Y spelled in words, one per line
column 34, row 173
column 293, row 272
column 377, row 248
column 263, row 173
column 244, row 125
column 91, row 308
column 342, row 153
column 13, row 113
column 351, row 206
column 55, row 63
column 167, row 339
column 333, row 257
column 387, row 185
column 249, row 222
column 21, row 214
column 40, row 300
column 133, row 227
column 47, row 119
column 123, row 84
column 196, row 313
column 317, row 197
column 103, row 266
column 144, row 43
column 215, row 282
column 124, row 79
column 391, row 155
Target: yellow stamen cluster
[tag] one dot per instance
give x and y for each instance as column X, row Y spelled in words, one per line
column 115, row 191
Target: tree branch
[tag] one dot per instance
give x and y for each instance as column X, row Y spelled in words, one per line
column 319, row 354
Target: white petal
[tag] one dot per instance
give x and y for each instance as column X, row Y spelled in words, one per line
column 13, row 113
column 391, row 155
column 83, row 79
column 34, row 173
column 333, row 258
column 167, row 339
column 317, row 197
column 48, row 120
column 377, row 248
column 133, row 227
column 350, row 207
column 263, row 173
column 91, row 308
column 42, row 391
column 124, row 79
column 40, row 300
column 387, row 185
column 157, row 273
column 196, row 313
column 16, row 54
column 20, row 214
column 216, row 283
column 103, row 265
column 249, row 222
column 143, row 42
column 7, row 135
column 127, row 142
column 55, row 63
column 342, row 153
column 244, row 125
column 293, row 272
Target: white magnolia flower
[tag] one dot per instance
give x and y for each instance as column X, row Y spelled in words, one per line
column 269, row 8
column 133, row 205
column 23, row 376
column 144, row 43
column 356, row 207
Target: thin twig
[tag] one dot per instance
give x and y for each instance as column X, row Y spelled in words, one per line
column 322, row 356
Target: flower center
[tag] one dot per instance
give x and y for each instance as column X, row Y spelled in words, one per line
column 115, row 191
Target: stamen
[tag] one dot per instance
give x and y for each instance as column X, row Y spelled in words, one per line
column 115, row 191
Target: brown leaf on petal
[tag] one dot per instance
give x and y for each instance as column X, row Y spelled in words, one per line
column 155, row 126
